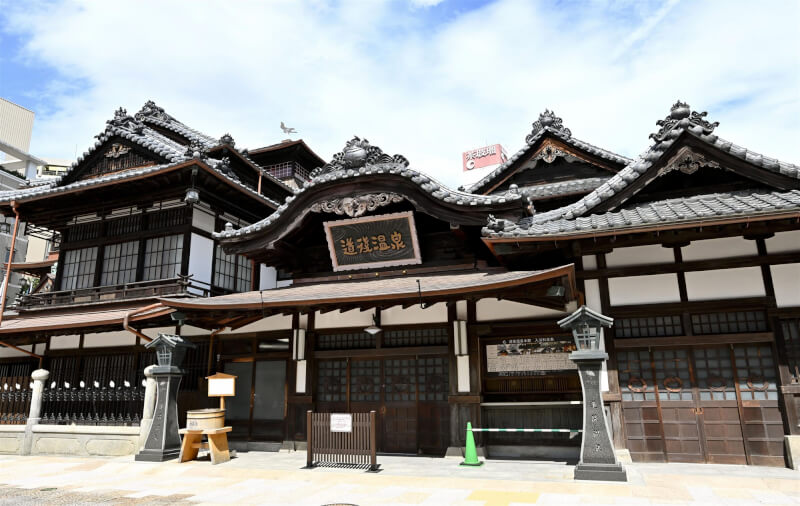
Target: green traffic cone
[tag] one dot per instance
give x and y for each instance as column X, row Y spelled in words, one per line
column 470, row 453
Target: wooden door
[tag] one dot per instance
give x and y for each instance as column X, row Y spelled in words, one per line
column 719, row 405
column 675, row 388
column 759, row 411
column 640, row 408
column 331, row 391
column 269, row 400
column 399, row 411
column 433, row 430
column 239, row 407
column 365, row 390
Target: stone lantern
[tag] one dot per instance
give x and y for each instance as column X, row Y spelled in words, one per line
column 163, row 442
column 598, row 458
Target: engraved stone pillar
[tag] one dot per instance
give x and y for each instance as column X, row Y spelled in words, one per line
column 598, row 458
column 39, row 376
column 149, row 405
column 163, row 442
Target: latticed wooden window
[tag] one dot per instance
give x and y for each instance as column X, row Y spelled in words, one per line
column 432, row 378
column 124, row 226
column 332, row 380
column 673, row 377
column 730, row 322
column 636, row 376
column 84, row 231
column 232, row 272
column 345, row 341
column 79, row 268
column 400, row 379
column 755, row 369
column 652, row 326
column 365, row 381
column 119, row 263
column 714, row 374
column 791, row 339
column 162, row 258
column 415, row 337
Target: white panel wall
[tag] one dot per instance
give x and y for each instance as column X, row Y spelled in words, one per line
column 786, row 280
column 783, row 242
column 640, row 255
column 201, row 256
column 725, row 284
column 122, row 338
column 337, row 319
column 284, row 283
column 396, row 315
column 153, row 333
column 654, row 289
column 64, row 342
column 719, row 248
column 203, row 219
column 275, row 322
column 592, row 294
column 494, row 309
column 268, row 279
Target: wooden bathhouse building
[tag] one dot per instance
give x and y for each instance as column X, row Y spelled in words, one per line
column 363, row 284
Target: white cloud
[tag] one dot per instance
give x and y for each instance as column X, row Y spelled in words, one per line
column 427, row 88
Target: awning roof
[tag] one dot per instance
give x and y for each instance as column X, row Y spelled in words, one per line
column 75, row 319
column 399, row 290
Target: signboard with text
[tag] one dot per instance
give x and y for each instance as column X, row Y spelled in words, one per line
column 373, row 241
column 530, row 356
column 341, row 422
column 483, row 157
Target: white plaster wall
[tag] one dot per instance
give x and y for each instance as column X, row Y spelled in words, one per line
column 589, row 262
column 284, row 283
column 653, row 289
column 592, row 294
column 104, row 339
column 640, row 255
column 202, row 219
column 396, row 315
column 274, row 322
column 11, row 352
column 725, row 247
column 781, row 242
column 786, row 281
column 188, row 330
column 201, row 256
column 725, row 284
column 337, row 319
column 268, row 278
column 65, row 342
column 153, row 333
column 495, row 309
column 40, row 347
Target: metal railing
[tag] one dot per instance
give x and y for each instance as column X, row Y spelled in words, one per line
column 354, row 448
column 93, row 405
column 15, row 399
column 142, row 289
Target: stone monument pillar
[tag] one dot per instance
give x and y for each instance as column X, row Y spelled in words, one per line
column 39, row 376
column 149, row 405
column 163, row 442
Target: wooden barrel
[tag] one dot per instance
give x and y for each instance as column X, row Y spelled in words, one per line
column 201, row 419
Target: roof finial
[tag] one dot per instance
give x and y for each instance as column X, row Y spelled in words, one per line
column 358, row 153
column 547, row 120
column 227, row 140
column 681, row 117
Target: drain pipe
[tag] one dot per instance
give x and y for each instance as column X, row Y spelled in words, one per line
column 130, row 314
column 211, row 348
column 32, row 354
column 10, row 259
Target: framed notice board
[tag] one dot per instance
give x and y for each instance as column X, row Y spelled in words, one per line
column 373, row 241
column 529, row 355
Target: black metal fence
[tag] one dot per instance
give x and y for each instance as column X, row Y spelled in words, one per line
column 15, row 391
column 356, row 448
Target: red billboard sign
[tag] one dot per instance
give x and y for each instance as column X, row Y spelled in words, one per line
column 483, row 157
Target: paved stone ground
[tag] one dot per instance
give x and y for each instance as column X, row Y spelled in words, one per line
column 279, row 478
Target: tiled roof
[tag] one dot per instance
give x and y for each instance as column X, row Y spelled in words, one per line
column 681, row 120
column 74, row 319
column 155, row 115
column 549, row 123
column 392, row 288
column 558, row 189
column 399, row 166
column 717, row 206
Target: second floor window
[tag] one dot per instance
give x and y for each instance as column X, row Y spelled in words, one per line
column 231, row 272
column 119, row 263
column 162, row 257
column 79, row 267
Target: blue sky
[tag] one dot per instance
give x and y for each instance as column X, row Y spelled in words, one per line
column 422, row 78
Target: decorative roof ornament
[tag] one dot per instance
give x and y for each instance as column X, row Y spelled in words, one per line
column 547, row 119
column 358, row 153
column 122, row 119
column 151, row 110
column 356, row 206
column 224, row 166
column 227, row 140
column 681, row 111
column 195, row 150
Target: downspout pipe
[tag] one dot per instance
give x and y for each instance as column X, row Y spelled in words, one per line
column 211, row 348
column 32, row 354
column 130, row 314
column 10, row 259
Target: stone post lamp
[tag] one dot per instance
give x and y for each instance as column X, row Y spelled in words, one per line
column 598, row 459
column 163, row 442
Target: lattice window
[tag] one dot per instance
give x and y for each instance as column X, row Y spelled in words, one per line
column 729, row 323
column 653, row 326
column 345, row 341
column 232, row 272
column 168, row 218
column 332, row 380
column 79, row 267
column 791, row 339
column 400, row 376
column 432, row 379
column 714, row 374
column 119, row 263
column 84, row 231
column 124, row 226
column 755, row 368
column 162, row 258
column 673, row 377
column 636, row 376
column 365, row 381
column 416, row 337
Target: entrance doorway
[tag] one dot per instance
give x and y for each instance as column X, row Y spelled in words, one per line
column 258, row 410
column 408, row 393
column 716, row 404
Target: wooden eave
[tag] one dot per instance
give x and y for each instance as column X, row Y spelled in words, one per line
column 284, row 151
column 548, row 139
column 281, row 190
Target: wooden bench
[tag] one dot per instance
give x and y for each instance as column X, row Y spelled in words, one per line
column 217, row 444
